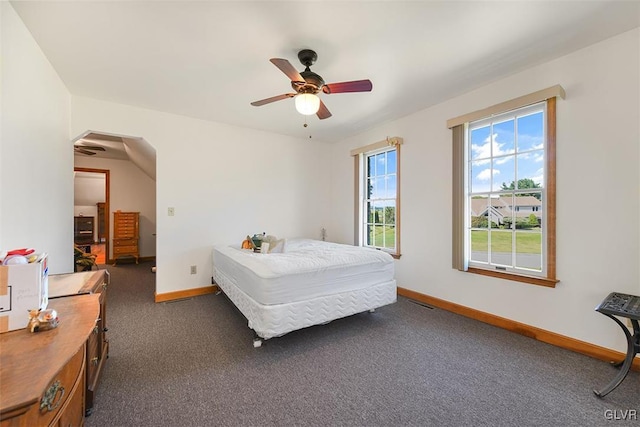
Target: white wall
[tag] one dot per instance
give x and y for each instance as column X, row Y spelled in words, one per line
column 131, row 190
column 224, row 182
column 597, row 165
column 36, row 158
column 88, row 189
column 79, row 210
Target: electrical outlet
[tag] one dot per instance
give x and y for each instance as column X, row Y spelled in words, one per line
column 194, row 269
column 171, row 211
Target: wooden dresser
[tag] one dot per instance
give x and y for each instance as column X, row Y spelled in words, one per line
column 125, row 235
column 42, row 374
column 88, row 282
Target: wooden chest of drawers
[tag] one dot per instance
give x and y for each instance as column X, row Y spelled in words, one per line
column 88, row 282
column 125, row 235
column 42, row 375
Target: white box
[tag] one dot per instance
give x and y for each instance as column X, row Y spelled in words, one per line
column 23, row 287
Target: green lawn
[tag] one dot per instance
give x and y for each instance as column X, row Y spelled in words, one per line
column 386, row 234
column 529, row 242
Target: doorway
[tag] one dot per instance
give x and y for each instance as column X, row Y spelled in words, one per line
column 91, row 207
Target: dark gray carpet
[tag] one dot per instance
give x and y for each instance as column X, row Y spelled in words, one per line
column 192, row 363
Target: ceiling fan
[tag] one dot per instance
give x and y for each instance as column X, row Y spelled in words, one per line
column 89, row 150
column 307, row 84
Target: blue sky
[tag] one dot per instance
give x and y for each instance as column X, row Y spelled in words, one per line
column 383, row 175
column 496, row 151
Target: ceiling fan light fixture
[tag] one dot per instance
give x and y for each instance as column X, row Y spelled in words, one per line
column 307, row 103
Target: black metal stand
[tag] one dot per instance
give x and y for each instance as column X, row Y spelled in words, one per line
column 627, row 306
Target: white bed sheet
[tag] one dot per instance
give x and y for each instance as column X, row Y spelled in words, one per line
column 308, row 269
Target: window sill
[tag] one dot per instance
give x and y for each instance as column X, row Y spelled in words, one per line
column 393, row 254
column 539, row 281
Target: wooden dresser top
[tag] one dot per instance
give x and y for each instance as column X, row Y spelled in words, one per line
column 29, row 361
column 84, row 282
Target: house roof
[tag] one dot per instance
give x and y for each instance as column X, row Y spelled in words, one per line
column 503, row 206
column 210, row 59
column 521, row 201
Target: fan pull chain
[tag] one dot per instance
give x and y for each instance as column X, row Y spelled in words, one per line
column 305, row 124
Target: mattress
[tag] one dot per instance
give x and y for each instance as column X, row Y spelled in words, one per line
column 269, row 321
column 308, row 269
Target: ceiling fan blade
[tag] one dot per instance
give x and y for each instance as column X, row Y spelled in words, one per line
column 354, row 86
column 91, row 147
column 82, row 151
column 286, row 67
column 272, row 99
column 323, row 111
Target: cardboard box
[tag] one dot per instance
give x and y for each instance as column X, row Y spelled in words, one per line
column 23, row 287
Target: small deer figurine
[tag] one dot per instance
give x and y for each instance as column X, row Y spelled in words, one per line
column 42, row 320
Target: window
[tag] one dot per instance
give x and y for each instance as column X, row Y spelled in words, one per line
column 380, row 184
column 377, row 207
column 504, row 190
column 505, row 168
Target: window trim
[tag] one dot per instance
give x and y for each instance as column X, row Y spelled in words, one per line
column 459, row 235
column 359, row 171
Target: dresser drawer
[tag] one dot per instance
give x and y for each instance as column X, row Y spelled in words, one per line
column 73, row 415
column 123, row 223
column 125, row 232
column 119, row 250
column 125, row 226
column 93, row 354
column 125, row 242
column 59, row 389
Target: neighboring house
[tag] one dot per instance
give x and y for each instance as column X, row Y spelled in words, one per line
column 506, row 207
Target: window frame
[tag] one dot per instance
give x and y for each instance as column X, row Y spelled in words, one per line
column 459, row 199
column 492, row 192
column 361, row 174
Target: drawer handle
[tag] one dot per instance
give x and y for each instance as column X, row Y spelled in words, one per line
column 50, row 395
column 94, row 361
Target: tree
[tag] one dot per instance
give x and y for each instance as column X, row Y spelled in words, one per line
column 479, row 222
column 390, row 214
column 523, row 183
column 521, row 223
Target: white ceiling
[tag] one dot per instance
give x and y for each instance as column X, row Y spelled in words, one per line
column 210, row 59
column 119, row 147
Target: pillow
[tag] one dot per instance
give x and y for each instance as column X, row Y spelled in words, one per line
column 279, row 246
column 270, row 239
